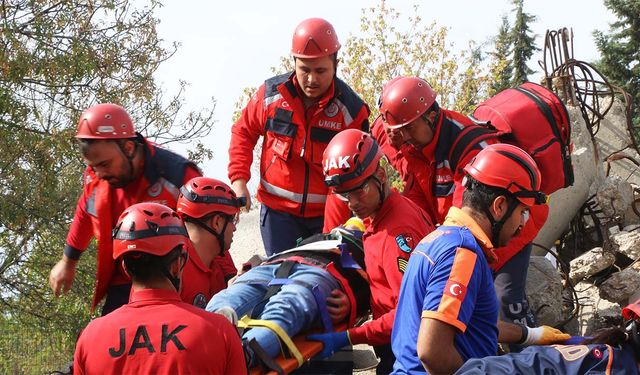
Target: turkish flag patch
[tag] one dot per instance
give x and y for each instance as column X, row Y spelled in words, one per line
column 455, row 290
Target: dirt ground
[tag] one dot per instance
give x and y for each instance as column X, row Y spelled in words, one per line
column 247, row 242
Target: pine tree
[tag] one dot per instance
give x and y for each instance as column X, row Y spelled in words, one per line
column 620, row 49
column 500, row 68
column 523, row 43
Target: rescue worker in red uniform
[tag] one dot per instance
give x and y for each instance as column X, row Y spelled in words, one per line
column 210, row 210
column 123, row 168
column 394, row 225
column 297, row 113
column 156, row 333
column 408, row 105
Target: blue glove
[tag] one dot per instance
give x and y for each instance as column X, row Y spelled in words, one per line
column 331, row 341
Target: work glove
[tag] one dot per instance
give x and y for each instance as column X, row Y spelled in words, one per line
column 544, row 335
column 332, row 342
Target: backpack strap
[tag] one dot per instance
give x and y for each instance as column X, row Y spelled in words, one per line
column 469, row 137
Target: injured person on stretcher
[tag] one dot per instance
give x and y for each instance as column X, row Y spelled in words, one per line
column 320, row 284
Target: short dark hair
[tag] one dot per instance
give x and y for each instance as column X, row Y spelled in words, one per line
column 479, row 196
column 334, row 57
column 85, row 143
column 144, row 267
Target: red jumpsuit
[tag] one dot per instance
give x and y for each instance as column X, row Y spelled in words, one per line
column 291, row 178
column 100, row 206
column 156, row 333
column 389, row 239
column 200, row 283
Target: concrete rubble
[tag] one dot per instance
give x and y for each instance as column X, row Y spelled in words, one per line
column 599, row 280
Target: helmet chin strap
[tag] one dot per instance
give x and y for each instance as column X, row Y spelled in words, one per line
column 218, row 236
column 496, row 225
column 380, row 190
column 175, row 280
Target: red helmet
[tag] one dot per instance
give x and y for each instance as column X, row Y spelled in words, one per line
column 105, row 121
column 509, row 167
column 150, row 228
column 350, row 157
column 202, row 196
column 313, row 38
column 404, row 99
column 631, row 311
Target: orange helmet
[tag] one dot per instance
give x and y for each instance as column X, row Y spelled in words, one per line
column 349, row 159
column 404, row 99
column 150, row 228
column 202, row 196
column 511, row 168
column 105, row 121
column 313, row 38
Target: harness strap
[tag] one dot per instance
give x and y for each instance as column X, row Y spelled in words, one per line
column 325, row 319
column 247, row 322
column 283, row 272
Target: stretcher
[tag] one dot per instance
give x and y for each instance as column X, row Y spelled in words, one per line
column 298, row 351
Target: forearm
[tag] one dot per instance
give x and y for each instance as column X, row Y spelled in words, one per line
column 509, row 333
column 445, row 362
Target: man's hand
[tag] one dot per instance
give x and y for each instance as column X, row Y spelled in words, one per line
column 62, row 276
column 332, row 342
column 239, row 186
column 395, row 137
column 338, row 306
column 544, row 335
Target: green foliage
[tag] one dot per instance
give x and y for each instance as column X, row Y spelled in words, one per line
column 620, row 49
column 523, row 43
column 500, row 68
column 390, row 45
column 57, row 58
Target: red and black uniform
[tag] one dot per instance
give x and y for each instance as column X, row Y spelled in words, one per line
column 100, row 206
column 291, row 178
column 201, row 282
column 435, row 178
column 389, row 239
column 156, row 333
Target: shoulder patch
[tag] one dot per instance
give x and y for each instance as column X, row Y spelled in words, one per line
column 405, row 242
column 200, row 301
column 402, row 264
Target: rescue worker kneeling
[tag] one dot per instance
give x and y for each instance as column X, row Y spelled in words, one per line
column 156, row 332
column 297, row 290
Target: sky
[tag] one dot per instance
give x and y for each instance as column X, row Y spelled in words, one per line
column 226, row 46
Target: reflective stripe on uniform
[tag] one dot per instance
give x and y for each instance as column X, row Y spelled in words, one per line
column 271, row 99
column 345, row 112
column 294, row 197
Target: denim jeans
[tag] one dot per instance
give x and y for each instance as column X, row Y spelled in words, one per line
column 280, row 231
column 293, row 308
